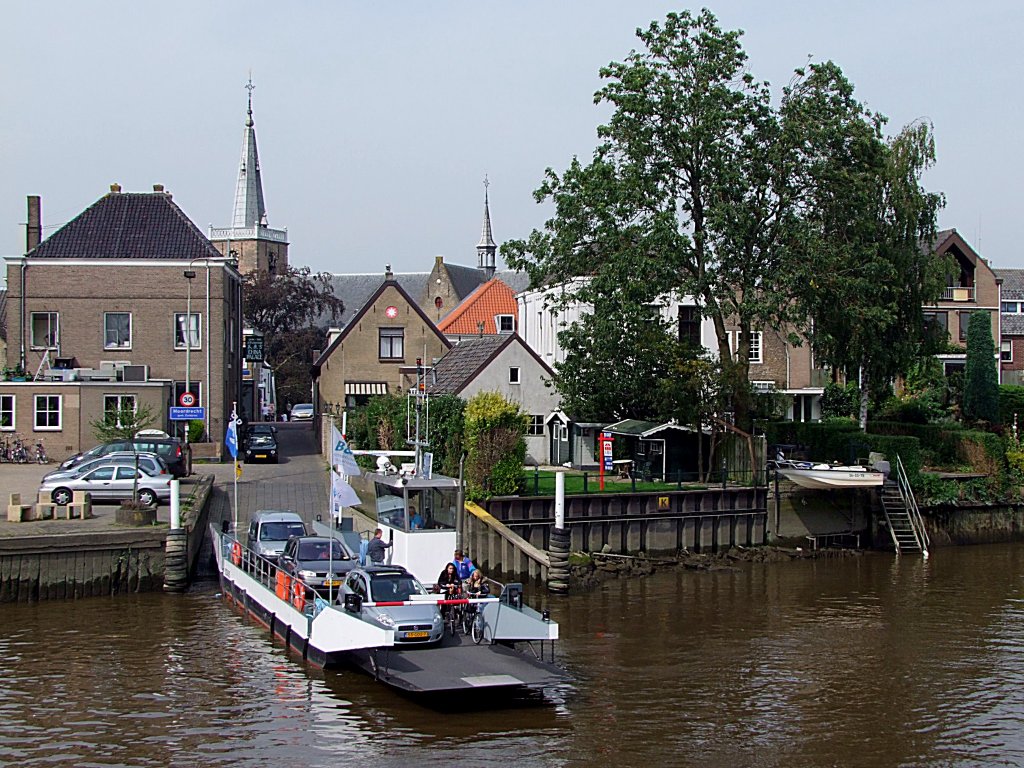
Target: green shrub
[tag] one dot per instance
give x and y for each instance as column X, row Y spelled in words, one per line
column 495, row 443
column 1011, row 403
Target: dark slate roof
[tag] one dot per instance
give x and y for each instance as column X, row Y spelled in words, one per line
column 355, row 290
column 1013, row 283
column 128, row 225
column 1012, row 325
column 517, row 281
column 457, row 368
column 465, row 279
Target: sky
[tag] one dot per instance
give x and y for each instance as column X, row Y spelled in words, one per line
column 377, row 121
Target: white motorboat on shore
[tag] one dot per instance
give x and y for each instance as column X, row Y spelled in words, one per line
column 822, row 476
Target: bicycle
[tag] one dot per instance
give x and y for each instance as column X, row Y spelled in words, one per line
column 452, row 613
column 19, row 454
column 473, row 622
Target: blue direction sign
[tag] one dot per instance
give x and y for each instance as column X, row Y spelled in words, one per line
column 187, row 414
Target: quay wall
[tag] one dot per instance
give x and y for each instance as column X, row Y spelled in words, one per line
column 949, row 525
column 116, row 560
column 81, row 565
column 513, row 536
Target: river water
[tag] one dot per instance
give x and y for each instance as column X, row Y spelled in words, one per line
column 870, row 660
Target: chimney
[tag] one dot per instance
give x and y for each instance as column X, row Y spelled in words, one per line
column 115, row 188
column 34, row 231
column 388, row 274
column 158, row 187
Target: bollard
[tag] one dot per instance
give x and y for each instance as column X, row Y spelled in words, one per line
column 175, row 504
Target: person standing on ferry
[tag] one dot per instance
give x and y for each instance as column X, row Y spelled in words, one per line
column 463, row 565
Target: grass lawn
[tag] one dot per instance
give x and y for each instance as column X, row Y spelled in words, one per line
column 543, row 484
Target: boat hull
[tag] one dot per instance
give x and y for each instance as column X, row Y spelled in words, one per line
column 832, row 477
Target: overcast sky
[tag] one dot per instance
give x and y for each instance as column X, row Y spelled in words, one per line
column 376, row 121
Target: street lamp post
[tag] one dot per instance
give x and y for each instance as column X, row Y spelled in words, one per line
column 189, row 275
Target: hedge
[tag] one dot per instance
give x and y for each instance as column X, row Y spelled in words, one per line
column 1011, row 401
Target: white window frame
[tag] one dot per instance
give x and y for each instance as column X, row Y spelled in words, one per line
column 515, row 375
column 1005, row 351
column 391, row 333
column 755, row 355
column 196, row 332
column 499, row 320
column 119, row 399
column 1011, row 307
column 106, row 332
column 8, row 405
column 36, row 413
column 53, row 326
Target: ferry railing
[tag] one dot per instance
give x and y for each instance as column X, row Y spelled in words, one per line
column 910, row 502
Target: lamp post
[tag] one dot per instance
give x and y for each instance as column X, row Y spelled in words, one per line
column 189, row 275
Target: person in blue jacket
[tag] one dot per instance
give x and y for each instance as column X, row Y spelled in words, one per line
column 463, row 565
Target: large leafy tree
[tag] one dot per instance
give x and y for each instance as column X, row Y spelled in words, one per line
column 692, row 190
column 867, row 229
column 290, row 309
column 981, row 382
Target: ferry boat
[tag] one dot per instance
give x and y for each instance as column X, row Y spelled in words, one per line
column 517, row 652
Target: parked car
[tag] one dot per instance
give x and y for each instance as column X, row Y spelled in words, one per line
column 110, row 482
column 176, row 455
column 414, row 624
column 317, row 560
column 302, row 412
column 150, row 463
column 261, row 444
column 270, row 529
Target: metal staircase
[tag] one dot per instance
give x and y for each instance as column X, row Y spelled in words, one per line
column 906, row 526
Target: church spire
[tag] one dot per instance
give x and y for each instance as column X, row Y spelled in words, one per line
column 486, row 249
column 250, row 211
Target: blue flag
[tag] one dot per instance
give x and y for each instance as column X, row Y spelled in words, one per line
column 231, row 438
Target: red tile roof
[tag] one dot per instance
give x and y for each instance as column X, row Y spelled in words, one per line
column 490, row 299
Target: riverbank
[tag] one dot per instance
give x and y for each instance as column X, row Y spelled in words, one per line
column 591, row 570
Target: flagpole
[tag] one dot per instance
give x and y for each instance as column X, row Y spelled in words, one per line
column 234, row 423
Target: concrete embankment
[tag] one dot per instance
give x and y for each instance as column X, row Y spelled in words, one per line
column 61, row 559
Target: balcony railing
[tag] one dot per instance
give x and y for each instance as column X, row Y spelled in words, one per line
column 958, row 293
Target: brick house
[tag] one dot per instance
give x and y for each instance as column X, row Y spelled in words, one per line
column 1011, row 322
column 376, row 352
column 111, row 309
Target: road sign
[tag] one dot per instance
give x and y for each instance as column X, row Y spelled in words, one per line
column 187, row 399
column 254, row 348
column 188, row 414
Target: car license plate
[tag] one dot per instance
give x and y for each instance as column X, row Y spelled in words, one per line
column 261, row 455
column 417, row 634
column 332, row 583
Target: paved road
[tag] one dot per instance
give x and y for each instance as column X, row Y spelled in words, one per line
column 298, row 482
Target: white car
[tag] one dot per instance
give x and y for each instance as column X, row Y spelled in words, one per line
column 302, row 412
column 110, row 482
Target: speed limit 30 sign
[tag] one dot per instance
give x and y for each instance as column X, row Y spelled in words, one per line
column 187, row 399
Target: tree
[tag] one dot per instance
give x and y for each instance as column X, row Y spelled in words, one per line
column 123, row 424
column 693, row 190
column 495, row 441
column 616, row 358
column 288, row 309
column 867, row 229
column 981, row 383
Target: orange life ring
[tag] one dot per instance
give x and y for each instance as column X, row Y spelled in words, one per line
column 236, row 553
column 298, row 595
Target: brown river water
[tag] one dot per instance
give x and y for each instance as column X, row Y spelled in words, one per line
column 870, row 660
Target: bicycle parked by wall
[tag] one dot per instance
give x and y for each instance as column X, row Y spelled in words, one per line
column 41, row 457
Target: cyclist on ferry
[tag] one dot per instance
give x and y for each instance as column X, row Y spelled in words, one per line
column 476, row 585
column 448, row 583
column 463, row 565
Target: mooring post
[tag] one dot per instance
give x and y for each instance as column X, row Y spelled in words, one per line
column 558, row 543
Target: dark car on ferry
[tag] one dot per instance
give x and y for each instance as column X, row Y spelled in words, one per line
column 319, row 562
column 261, row 444
column 419, row 622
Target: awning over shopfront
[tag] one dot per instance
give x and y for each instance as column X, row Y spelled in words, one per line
column 366, row 388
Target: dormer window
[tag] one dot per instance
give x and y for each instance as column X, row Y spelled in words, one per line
column 505, row 323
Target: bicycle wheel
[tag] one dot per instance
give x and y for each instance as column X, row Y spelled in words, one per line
column 477, row 629
column 467, row 622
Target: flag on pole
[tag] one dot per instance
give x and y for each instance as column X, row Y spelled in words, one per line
column 342, row 458
column 231, row 438
column 342, row 495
